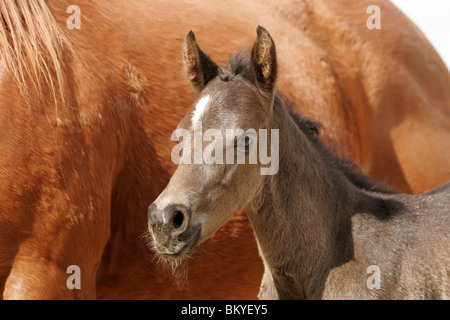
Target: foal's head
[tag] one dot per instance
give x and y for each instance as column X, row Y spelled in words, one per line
column 219, row 171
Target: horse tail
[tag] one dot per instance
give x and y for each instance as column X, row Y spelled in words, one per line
column 32, row 46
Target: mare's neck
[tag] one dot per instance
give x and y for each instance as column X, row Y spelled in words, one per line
column 301, row 218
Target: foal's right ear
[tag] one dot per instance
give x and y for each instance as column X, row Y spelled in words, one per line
column 199, row 68
column 264, row 59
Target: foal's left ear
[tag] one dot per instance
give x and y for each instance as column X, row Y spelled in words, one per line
column 199, row 68
column 264, row 59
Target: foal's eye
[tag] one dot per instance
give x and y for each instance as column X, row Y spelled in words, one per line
column 245, row 142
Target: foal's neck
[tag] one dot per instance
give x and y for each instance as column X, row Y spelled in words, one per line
column 301, row 218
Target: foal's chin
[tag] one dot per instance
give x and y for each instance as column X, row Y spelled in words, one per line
column 174, row 262
column 176, row 250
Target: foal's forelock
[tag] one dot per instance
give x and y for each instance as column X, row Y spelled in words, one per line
column 239, row 64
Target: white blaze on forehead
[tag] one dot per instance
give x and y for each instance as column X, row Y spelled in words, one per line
column 200, row 108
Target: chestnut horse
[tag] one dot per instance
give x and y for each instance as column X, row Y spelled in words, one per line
column 319, row 223
column 86, row 116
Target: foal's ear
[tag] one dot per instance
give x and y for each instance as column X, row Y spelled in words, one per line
column 264, row 59
column 199, row 68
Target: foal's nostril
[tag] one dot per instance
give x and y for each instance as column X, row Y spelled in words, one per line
column 172, row 220
column 178, row 219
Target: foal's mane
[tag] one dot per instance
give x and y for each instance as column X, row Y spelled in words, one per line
column 239, row 65
column 32, row 45
column 347, row 167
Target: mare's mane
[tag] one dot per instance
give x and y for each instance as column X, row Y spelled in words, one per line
column 32, row 44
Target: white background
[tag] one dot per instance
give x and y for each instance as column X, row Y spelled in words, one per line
column 433, row 18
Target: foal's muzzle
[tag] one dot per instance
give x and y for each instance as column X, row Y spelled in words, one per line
column 171, row 230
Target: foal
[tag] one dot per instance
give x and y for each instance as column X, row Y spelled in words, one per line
column 321, row 227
